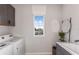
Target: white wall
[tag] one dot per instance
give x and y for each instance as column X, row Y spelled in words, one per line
column 72, row 11
column 24, row 27
column 5, row 30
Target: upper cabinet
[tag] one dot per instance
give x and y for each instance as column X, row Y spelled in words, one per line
column 11, row 15
column 7, row 15
column 3, row 15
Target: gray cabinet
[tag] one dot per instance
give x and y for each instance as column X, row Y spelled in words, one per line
column 7, row 15
column 11, row 15
column 61, row 51
column 3, row 15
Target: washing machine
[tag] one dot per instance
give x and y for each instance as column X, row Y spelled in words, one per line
column 18, row 46
column 6, row 49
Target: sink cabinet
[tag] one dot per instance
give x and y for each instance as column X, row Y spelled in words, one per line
column 61, row 51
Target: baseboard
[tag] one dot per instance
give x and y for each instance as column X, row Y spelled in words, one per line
column 39, row 53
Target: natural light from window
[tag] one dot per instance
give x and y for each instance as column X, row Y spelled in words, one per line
column 39, row 25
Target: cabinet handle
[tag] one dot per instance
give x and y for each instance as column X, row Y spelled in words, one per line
column 17, row 49
column 8, row 21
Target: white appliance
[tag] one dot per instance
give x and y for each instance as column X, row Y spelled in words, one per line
column 11, row 45
column 18, row 46
column 6, row 50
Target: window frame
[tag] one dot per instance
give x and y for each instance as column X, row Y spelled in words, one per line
column 43, row 26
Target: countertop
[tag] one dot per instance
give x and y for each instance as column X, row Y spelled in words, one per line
column 72, row 48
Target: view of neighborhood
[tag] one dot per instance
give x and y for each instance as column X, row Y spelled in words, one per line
column 39, row 25
column 39, row 31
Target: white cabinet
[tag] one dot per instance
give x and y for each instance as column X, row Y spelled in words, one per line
column 18, row 47
column 6, row 50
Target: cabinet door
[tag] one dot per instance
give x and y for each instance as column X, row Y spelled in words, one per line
column 11, row 15
column 19, row 47
column 7, row 15
column 61, row 50
column 3, row 14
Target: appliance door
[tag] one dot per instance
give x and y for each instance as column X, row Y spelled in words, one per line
column 19, row 47
column 6, row 50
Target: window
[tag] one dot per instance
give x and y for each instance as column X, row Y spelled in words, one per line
column 38, row 25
